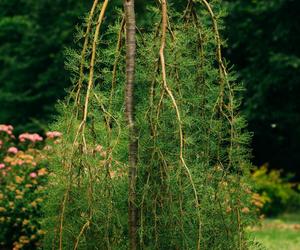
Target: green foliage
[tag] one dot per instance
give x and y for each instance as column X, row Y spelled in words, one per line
column 192, row 159
column 280, row 195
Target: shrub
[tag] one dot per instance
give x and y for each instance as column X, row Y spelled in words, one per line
column 22, row 179
column 278, row 193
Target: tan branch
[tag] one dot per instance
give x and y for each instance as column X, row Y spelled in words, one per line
column 83, row 52
column 169, row 92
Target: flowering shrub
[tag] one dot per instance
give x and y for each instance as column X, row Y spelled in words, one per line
column 22, row 180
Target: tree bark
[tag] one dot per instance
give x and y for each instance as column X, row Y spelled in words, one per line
column 129, row 103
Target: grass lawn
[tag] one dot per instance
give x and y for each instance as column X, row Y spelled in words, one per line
column 282, row 233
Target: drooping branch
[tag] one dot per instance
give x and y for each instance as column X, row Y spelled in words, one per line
column 223, row 77
column 226, row 110
column 117, row 58
column 129, row 103
column 82, row 124
column 164, row 26
column 83, row 52
column 217, row 38
column 93, row 58
column 78, row 85
column 91, row 74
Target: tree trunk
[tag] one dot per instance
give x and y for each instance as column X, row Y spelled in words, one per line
column 129, row 102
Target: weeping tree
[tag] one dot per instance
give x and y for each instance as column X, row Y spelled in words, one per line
column 154, row 153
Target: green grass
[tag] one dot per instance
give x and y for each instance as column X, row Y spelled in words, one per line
column 282, row 233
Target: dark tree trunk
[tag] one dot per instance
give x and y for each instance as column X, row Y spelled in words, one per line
column 129, row 101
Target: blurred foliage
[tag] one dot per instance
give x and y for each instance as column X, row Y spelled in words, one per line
column 33, row 35
column 264, row 45
column 277, row 194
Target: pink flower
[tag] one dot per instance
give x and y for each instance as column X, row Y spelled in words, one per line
column 6, row 128
column 30, row 137
column 33, row 175
column 53, row 134
column 2, row 165
column 12, row 150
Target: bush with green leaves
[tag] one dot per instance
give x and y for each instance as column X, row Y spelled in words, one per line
column 279, row 193
column 191, row 187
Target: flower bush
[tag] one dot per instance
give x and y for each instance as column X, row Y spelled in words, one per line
column 23, row 175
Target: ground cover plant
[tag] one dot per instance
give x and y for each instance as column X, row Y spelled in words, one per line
column 154, row 153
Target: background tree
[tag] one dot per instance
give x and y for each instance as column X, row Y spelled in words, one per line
column 33, row 36
column 265, row 49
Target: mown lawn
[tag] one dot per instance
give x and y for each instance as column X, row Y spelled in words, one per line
column 282, row 233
